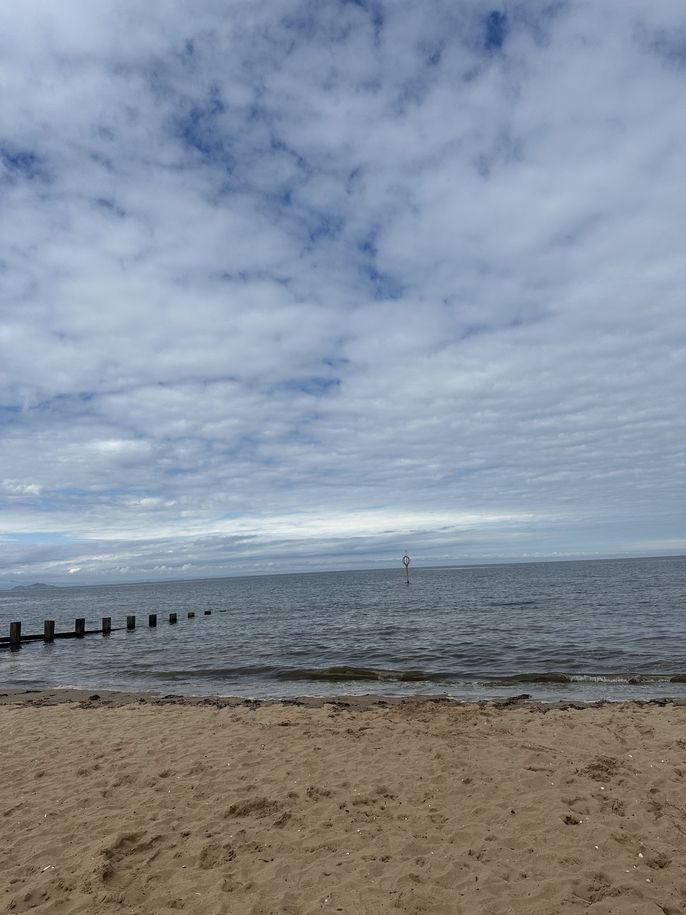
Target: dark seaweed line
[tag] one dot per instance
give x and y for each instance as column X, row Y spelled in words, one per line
column 346, row 673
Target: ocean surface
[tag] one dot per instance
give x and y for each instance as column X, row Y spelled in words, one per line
column 612, row 629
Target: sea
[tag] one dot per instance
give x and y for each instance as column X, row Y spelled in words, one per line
column 554, row 631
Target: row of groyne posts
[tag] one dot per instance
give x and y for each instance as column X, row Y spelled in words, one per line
column 49, row 633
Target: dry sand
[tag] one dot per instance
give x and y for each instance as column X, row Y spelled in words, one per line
column 120, row 804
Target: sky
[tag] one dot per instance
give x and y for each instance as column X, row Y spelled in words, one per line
column 303, row 285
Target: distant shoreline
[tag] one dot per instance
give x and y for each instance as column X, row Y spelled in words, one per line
column 37, row 586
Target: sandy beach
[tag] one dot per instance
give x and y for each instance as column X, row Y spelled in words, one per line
column 127, row 804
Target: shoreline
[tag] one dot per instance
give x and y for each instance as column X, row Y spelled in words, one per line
column 59, row 695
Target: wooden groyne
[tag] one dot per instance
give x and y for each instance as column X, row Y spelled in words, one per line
column 18, row 636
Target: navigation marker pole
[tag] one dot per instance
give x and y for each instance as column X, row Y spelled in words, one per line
column 406, row 563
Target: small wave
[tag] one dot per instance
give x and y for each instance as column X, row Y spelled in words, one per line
column 202, row 673
column 346, row 673
column 512, row 603
column 516, row 679
column 609, row 679
column 632, row 680
column 343, row 673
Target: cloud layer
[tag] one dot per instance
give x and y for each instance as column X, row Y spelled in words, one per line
column 304, row 284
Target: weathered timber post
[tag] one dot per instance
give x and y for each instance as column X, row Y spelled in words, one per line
column 106, row 625
column 152, row 619
column 15, row 633
column 49, row 630
column 172, row 617
column 80, row 627
column 130, row 622
column 191, row 614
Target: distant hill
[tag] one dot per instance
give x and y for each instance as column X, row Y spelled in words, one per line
column 37, row 586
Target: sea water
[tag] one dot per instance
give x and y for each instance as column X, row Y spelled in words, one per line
column 611, row 629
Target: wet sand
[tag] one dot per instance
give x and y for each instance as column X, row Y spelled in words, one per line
column 126, row 803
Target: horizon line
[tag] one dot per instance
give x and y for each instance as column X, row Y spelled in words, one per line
column 432, row 567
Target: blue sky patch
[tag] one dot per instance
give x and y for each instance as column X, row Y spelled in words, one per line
column 21, row 163
column 496, row 29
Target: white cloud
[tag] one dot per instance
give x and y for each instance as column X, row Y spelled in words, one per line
column 17, row 488
column 335, row 271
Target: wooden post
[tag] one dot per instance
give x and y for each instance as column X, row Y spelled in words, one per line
column 172, row 617
column 208, row 612
column 106, row 625
column 130, row 622
column 191, row 614
column 152, row 619
column 80, row 627
column 49, row 630
column 15, row 633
